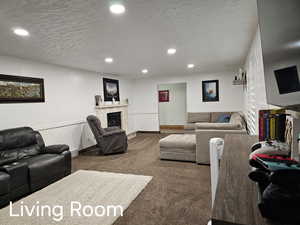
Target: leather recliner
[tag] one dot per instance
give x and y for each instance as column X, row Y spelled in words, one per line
column 27, row 165
column 109, row 140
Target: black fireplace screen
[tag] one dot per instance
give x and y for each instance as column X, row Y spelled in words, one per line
column 114, row 119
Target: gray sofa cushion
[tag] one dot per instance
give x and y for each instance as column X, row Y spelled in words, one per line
column 181, row 151
column 179, row 141
column 218, row 126
column 179, row 154
column 198, row 117
column 190, row 126
column 236, row 118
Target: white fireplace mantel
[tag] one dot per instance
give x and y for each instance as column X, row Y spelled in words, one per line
column 103, row 110
column 111, row 106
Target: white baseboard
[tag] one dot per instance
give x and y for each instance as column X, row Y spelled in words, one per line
column 74, row 153
column 131, row 135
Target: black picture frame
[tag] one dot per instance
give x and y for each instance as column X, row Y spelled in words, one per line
column 110, row 85
column 9, row 82
column 210, row 91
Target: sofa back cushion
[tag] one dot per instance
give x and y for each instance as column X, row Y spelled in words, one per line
column 18, row 143
column 216, row 115
column 198, row 117
column 224, row 118
column 19, row 153
column 16, row 138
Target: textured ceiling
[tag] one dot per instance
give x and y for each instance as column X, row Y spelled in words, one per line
column 215, row 35
column 280, row 33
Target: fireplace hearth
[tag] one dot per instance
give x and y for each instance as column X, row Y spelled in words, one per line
column 114, row 119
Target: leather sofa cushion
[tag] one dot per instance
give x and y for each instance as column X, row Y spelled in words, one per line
column 19, row 153
column 4, row 183
column 45, row 166
column 181, row 141
column 198, row 117
column 6, row 159
column 17, row 138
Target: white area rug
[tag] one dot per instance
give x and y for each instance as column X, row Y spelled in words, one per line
column 90, row 188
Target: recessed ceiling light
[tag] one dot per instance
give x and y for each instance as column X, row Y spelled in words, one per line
column 109, row 60
column 171, row 51
column 144, row 71
column 117, row 8
column 190, row 66
column 21, row 32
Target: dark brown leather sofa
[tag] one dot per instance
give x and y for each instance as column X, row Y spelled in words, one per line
column 27, row 165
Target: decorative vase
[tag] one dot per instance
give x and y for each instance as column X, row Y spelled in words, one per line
column 98, row 100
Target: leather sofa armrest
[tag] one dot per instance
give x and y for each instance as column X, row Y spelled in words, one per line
column 56, row 149
column 108, row 129
column 63, row 150
column 4, row 183
column 113, row 132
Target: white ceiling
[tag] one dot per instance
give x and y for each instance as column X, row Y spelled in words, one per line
column 280, row 33
column 215, row 35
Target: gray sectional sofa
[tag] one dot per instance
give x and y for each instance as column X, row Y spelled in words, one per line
column 201, row 117
column 206, row 131
column 194, row 144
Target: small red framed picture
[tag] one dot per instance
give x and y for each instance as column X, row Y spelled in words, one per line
column 163, row 96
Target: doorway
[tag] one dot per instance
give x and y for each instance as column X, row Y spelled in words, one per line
column 172, row 107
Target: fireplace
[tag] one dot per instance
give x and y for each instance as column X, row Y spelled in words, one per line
column 103, row 110
column 114, row 119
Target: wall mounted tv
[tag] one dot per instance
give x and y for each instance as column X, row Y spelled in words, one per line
column 279, row 22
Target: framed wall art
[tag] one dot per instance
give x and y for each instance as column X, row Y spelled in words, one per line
column 210, row 91
column 17, row 89
column 111, row 89
column 163, row 96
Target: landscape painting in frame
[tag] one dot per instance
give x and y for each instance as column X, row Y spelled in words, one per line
column 111, row 89
column 163, row 96
column 210, row 91
column 16, row 89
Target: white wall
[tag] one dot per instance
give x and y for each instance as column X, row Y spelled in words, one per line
column 69, row 95
column 70, row 98
column 174, row 111
column 255, row 96
column 145, row 99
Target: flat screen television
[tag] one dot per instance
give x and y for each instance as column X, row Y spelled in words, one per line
column 287, row 80
column 279, row 22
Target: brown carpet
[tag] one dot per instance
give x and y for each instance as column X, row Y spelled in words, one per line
column 179, row 193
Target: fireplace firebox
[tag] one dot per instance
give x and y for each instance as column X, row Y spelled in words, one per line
column 114, row 119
